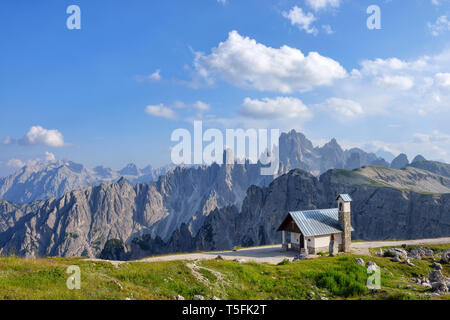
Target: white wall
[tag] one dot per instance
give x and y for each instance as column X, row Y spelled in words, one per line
column 323, row 241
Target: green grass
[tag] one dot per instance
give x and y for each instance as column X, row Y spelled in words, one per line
column 337, row 277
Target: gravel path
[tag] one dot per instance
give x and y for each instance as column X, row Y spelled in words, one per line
column 274, row 255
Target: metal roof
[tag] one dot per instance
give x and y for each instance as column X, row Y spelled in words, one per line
column 318, row 222
column 345, row 197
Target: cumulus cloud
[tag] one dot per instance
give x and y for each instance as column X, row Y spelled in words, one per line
column 399, row 82
column 343, row 108
column 301, row 20
column 160, row 111
column 243, row 62
column 278, row 108
column 38, row 135
column 323, row 4
column 396, row 86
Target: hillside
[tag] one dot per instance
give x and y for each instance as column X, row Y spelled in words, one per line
column 439, row 168
column 317, row 279
column 409, row 178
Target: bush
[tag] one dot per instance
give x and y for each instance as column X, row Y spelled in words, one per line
column 351, row 283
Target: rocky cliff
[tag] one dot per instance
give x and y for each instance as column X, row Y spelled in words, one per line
column 81, row 222
column 378, row 212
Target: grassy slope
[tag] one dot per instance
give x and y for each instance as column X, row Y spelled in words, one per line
column 336, row 278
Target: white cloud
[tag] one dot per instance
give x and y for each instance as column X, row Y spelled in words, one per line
column 443, row 80
column 278, row 108
column 327, row 28
column 244, row 62
column 160, row 111
column 38, row 135
column 323, row 4
column 202, row 106
column 398, row 82
column 441, row 25
column 301, row 19
column 156, row 75
column 342, row 108
column 399, row 87
column 222, row 1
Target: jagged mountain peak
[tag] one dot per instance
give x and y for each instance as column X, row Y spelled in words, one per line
column 418, row 158
column 130, row 170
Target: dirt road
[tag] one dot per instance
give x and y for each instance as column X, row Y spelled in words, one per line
column 274, row 255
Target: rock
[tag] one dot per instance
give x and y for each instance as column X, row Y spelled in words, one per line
column 439, row 287
column 426, row 285
column 393, row 252
column 436, row 266
column 219, row 257
column 360, row 262
column 239, row 260
column 446, row 256
column 436, row 276
column 396, row 259
column 215, row 298
column 199, row 297
column 178, row 297
column 409, row 263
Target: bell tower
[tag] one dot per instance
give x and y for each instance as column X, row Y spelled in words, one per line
column 344, row 209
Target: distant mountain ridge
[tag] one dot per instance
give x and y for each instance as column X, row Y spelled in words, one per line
column 53, row 179
column 296, row 151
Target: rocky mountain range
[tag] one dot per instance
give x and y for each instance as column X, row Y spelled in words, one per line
column 296, row 151
column 75, row 212
column 189, row 209
column 53, row 179
column 382, row 209
column 82, row 221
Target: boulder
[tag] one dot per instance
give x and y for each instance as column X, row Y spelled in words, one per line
column 178, row 297
column 401, row 253
column 360, row 262
column 436, row 266
column 439, row 286
column 436, row 276
column 446, row 256
column 199, row 297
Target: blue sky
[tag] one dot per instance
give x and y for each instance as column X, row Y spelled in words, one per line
column 114, row 91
